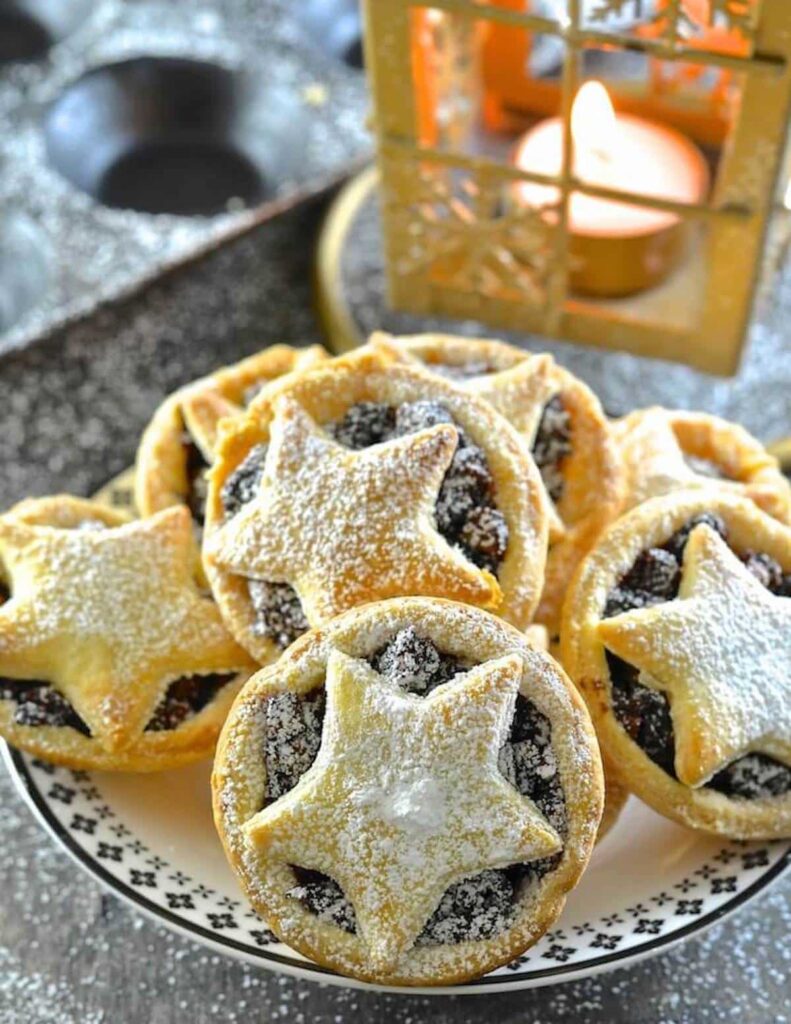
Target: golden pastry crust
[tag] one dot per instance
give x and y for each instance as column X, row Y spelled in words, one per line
column 239, row 786
column 363, row 528
column 711, row 636
column 656, row 443
column 519, row 385
column 615, row 793
column 67, row 513
column 161, row 478
column 147, row 627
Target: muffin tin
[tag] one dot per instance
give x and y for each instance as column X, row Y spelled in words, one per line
column 138, row 135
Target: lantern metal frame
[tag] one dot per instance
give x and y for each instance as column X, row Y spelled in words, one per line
column 453, row 248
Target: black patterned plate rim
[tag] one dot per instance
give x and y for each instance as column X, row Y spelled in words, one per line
column 533, row 976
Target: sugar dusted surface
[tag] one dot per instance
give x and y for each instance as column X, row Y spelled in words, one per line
column 471, row 637
column 722, row 651
column 345, row 527
column 405, row 798
column 96, row 384
column 121, row 606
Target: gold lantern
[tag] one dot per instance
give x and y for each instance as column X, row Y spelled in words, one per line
column 659, row 253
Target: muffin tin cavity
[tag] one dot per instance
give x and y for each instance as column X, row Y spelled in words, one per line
column 141, row 135
column 24, row 266
column 159, row 135
column 30, row 28
column 335, row 27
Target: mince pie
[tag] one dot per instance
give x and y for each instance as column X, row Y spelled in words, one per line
column 176, row 448
column 567, row 432
column 409, row 793
column 109, row 656
column 667, row 450
column 365, row 479
column 678, row 633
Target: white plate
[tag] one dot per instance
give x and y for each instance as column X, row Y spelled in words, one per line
column 150, row 839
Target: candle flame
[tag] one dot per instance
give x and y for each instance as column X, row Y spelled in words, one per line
column 593, row 120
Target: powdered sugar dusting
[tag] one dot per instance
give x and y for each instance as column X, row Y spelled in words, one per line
column 118, row 603
column 410, row 804
column 434, row 758
column 409, row 800
column 344, row 527
column 722, row 652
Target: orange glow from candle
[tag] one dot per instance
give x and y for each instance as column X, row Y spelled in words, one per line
column 615, row 151
column 593, row 123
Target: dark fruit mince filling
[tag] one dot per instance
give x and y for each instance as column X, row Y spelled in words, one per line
column 478, row 907
column 184, row 698
column 323, row 897
column 195, row 467
column 278, row 610
column 292, row 737
column 465, row 511
column 414, row 664
column 466, row 514
column 242, row 485
column 552, row 445
column 38, row 703
column 644, row 712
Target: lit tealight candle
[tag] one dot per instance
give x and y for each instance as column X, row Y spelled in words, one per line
column 616, row 248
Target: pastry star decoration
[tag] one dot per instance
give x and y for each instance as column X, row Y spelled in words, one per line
column 344, row 527
column 520, row 394
column 660, row 466
column 405, row 798
column 109, row 617
column 722, row 654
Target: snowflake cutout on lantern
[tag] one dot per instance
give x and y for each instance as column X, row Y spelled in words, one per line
column 468, row 235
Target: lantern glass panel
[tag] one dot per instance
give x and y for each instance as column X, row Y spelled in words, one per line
column 674, row 301
column 489, row 74
column 453, row 83
column 700, row 100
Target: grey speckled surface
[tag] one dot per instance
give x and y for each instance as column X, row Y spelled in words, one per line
column 92, row 252
column 71, row 954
